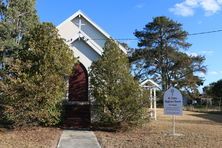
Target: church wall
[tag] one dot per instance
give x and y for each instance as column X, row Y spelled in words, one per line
column 87, row 42
column 84, row 52
column 68, row 30
column 91, row 31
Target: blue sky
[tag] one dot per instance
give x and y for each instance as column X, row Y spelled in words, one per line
column 120, row 18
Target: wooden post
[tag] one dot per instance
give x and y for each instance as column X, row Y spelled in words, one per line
column 151, row 99
column 154, row 101
column 151, row 103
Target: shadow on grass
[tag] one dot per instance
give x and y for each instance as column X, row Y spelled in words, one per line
column 210, row 116
column 104, row 127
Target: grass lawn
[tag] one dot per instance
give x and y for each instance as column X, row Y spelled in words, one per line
column 36, row 137
column 198, row 129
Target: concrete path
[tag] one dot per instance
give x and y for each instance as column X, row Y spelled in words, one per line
column 78, row 139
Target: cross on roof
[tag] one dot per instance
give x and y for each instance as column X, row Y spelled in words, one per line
column 80, row 24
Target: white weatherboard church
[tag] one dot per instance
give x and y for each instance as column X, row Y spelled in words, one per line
column 87, row 40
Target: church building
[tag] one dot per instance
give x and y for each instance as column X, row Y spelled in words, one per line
column 86, row 39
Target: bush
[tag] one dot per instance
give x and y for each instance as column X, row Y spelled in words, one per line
column 117, row 96
column 33, row 93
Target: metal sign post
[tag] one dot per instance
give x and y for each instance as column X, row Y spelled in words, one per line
column 174, row 124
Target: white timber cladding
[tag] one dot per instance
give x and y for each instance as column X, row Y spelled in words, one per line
column 84, row 37
column 93, row 34
column 84, row 52
column 68, row 30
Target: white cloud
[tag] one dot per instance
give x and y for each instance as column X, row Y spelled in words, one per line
column 183, row 10
column 139, row 6
column 219, row 72
column 210, row 6
column 207, row 52
column 203, row 52
column 194, row 54
column 128, row 41
column 186, row 8
column 201, row 74
column 192, row 3
column 214, row 73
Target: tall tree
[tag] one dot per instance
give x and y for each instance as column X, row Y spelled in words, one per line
column 17, row 18
column 35, row 95
column 35, row 62
column 118, row 96
column 159, row 56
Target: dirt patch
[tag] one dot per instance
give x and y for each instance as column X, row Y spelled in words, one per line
column 30, row 138
column 197, row 129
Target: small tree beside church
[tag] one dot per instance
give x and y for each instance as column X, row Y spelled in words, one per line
column 117, row 96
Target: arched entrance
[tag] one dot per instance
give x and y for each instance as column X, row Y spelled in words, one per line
column 77, row 110
column 78, row 84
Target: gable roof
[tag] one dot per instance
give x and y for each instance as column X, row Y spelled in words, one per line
column 79, row 12
column 147, row 81
column 90, row 43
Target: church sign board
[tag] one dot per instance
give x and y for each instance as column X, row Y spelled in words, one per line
column 173, row 102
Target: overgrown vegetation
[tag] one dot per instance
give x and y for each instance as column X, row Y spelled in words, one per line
column 35, row 64
column 118, row 97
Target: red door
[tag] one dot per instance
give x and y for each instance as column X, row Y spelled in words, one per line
column 77, row 112
column 78, row 84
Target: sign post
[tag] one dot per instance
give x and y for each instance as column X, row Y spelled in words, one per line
column 173, row 105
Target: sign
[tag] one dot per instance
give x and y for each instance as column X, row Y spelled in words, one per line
column 173, row 102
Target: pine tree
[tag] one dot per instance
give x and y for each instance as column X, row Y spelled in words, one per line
column 117, row 95
column 159, row 56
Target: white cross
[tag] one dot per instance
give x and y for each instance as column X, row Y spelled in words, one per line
column 80, row 24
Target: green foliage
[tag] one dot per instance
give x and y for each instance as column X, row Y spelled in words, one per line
column 17, row 18
column 217, row 89
column 214, row 90
column 118, row 97
column 34, row 96
column 35, row 62
column 160, row 58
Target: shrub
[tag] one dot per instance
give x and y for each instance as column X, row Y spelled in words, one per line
column 118, row 98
